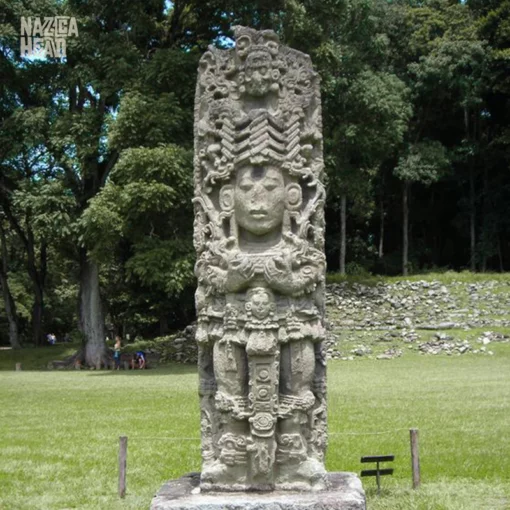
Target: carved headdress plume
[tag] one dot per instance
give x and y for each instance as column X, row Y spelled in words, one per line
column 258, row 105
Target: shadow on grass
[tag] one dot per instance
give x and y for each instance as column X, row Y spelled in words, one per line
column 371, row 492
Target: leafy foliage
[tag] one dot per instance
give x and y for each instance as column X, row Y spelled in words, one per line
column 96, row 150
column 423, row 162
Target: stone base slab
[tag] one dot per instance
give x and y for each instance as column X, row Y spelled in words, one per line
column 345, row 492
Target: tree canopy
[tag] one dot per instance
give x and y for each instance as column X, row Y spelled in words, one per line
column 96, row 150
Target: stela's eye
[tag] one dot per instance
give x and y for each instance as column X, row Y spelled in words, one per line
column 270, row 186
column 246, row 186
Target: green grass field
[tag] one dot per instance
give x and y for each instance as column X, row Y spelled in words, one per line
column 60, row 429
column 444, row 277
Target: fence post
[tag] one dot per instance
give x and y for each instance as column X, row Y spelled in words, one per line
column 122, row 465
column 415, row 458
column 18, row 367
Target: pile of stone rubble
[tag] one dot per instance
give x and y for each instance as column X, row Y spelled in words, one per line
column 391, row 353
column 490, row 336
column 444, row 344
column 331, row 346
column 183, row 347
column 361, row 350
column 364, row 351
column 419, row 305
column 450, row 347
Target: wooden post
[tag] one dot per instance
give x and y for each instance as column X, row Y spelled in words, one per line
column 415, row 458
column 122, row 465
column 378, row 477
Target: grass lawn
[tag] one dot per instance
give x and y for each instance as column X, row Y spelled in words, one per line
column 444, row 277
column 32, row 358
column 60, row 429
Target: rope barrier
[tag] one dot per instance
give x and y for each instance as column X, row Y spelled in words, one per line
column 330, row 434
column 167, row 438
column 365, row 433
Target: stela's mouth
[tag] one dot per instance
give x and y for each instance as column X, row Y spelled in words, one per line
column 258, row 214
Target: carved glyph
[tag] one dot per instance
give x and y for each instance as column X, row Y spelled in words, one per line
column 259, row 236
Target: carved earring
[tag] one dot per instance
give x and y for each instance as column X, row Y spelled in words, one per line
column 293, row 197
column 227, row 198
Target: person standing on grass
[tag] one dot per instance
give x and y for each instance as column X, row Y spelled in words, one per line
column 116, row 352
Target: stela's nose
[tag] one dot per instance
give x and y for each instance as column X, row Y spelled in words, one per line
column 256, row 194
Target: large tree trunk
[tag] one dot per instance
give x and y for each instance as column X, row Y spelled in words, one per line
column 486, row 237
column 163, row 324
column 343, row 222
column 10, row 305
column 37, row 314
column 405, row 227
column 500, row 255
column 10, row 312
column 472, row 210
column 381, row 227
column 472, row 218
column 38, row 277
column 91, row 312
column 37, row 274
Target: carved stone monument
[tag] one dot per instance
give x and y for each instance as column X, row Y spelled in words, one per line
column 259, row 237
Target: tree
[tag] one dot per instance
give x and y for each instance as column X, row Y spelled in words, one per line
column 26, row 164
column 9, row 303
column 95, row 150
column 365, row 105
column 494, row 28
column 101, row 63
column 442, row 61
column 423, row 162
column 110, row 58
column 146, row 204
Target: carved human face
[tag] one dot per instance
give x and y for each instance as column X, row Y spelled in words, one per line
column 259, row 199
column 261, row 304
column 258, row 74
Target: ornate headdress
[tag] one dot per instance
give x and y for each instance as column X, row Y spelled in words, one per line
column 257, row 104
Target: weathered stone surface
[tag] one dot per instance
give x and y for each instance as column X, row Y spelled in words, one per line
column 344, row 493
column 259, row 236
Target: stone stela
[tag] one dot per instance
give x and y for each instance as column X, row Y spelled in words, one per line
column 259, row 237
